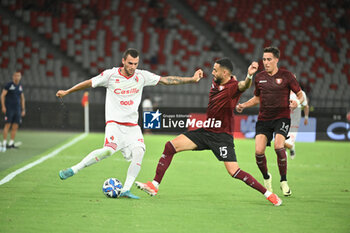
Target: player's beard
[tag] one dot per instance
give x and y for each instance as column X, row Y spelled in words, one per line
column 129, row 72
column 217, row 80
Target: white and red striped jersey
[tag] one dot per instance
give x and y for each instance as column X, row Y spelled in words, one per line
column 123, row 94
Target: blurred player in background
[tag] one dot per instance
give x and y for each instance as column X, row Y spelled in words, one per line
column 13, row 106
column 147, row 106
column 223, row 97
column 124, row 87
column 272, row 89
column 295, row 117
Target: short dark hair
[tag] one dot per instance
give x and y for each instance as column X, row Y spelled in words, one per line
column 132, row 52
column 274, row 50
column 225, row 63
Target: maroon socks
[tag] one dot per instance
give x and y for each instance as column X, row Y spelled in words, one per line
column 164, row 161
column 249, row 180
column 282, row 163
column 261, row 162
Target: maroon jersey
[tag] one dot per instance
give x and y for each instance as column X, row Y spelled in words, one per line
column 222, row 102
column 273, row 92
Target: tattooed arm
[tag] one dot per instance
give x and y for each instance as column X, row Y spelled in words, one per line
column 175, row 80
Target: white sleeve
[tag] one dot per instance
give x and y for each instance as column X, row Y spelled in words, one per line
column 304, row 103
column 150, row 78
column 101, row 80
column 293, row 96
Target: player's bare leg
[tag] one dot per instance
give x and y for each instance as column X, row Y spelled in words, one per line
column 180, row 143
column 5, row 133
column 282, row 163
column 234, row 170
column 14, row 129
column 260, row 147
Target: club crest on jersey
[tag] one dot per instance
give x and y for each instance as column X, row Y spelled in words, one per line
column 278, row 81
column 137, row 79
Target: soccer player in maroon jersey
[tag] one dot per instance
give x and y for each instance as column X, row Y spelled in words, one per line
column 272, row 89
column 223, row 97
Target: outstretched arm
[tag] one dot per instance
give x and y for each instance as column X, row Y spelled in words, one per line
column 244, row 85
column 250, row 103
column 175, row 80
column 23, row 105
column 80, row 86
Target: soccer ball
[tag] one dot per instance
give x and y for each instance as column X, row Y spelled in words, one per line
column 112, row 187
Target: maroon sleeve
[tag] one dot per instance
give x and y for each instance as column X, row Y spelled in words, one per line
column 257, row 90
column 293, row 83
column 234, row 91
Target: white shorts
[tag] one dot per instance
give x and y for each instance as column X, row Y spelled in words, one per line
column 123, row 138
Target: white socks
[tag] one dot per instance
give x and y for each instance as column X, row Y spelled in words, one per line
column 134, row 168
column 99, row 154
column 267, row 194
column 94, row 157
column 155, row 183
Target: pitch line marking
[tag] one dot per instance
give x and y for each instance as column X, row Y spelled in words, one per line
column 42, row 159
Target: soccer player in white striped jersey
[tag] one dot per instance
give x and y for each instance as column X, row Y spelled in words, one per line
column 124, row 87
column 295, row 117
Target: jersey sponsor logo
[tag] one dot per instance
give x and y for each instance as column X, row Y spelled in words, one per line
column 262, row 81
column 131, row 91
column 12, row 87
column 117, row 80
column 127, row 102
column 221, row 88
column 278, row 81
column 101, row 74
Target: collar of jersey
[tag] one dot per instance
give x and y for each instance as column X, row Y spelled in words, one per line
column 119, row 71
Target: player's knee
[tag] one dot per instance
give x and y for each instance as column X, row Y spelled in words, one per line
column 105, row 152
column 259, row 151
column 109, row 150
column 279, row 145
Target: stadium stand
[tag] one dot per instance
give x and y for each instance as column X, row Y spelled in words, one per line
column 318, row 53
column 95, row 33
column 96, row 38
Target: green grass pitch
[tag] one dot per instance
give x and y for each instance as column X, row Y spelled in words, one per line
column 197, row 194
